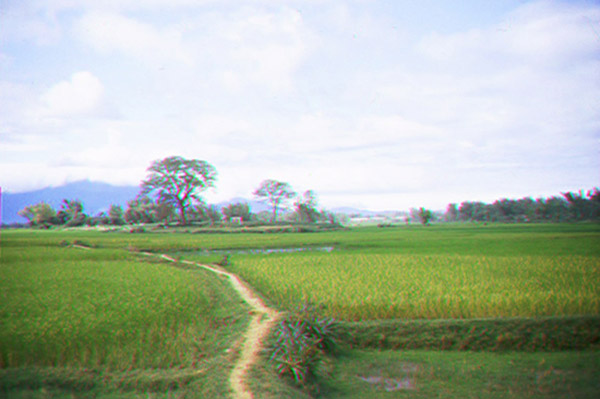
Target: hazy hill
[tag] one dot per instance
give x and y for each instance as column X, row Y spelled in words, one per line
column 96, row 197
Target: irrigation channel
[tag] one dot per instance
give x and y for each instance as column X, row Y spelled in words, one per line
column 263, row 318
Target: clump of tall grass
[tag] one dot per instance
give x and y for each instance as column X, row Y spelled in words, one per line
column 302, row 340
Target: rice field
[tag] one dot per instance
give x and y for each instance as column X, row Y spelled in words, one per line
column 106, row 308
column 123, row 323
column 68, row 306
column 383, row 286
column 460, row 239
column 463, row 272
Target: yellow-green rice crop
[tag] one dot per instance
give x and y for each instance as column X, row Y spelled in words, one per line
column 70, row 307
column 357, row 286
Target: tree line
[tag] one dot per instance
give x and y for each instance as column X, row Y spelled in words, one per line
column 172, row 193
column 568, row 207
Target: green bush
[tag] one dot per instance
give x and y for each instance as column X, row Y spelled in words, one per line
column 82, row 243
column 302, row 340
column 224, row 262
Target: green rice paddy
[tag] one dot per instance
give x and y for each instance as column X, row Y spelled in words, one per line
column 112, row 318
column 383, row 286
column 140, row 325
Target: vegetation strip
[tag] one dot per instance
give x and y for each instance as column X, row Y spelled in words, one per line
column 548, row 334
column 260, row 325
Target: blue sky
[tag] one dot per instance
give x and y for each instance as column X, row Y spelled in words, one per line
column 377, row 104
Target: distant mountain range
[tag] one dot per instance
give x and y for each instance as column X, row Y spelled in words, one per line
column 98, row 197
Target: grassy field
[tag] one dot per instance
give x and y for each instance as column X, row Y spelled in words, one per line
column 120, row 320
column 438, row 272
column 355, row 286
column 467, row 239
column 109, row 322
column 417, row 374
column 442, row 374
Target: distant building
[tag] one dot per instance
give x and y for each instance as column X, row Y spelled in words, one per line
column 237, row 220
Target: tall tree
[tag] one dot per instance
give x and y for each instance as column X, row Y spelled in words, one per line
column 582, row 207
column 71, row 213
column 451, row 214
column 163, row 212
column 306, row 208
column 179, row 181
column 207, row 213
column 554, row 209
column 116, row 215
column 40, row 214
column 140, row 210
column 424, row 216
column 473, row 211
column 276, row 193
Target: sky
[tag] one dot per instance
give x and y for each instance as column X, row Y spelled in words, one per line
column 384, row 105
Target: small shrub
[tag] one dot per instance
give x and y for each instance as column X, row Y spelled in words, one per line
column 323, row 329
column 301, row 343
column 296, row 352
column 81, row 243
column 224, row 261
column 385, row 225
column 132, row 248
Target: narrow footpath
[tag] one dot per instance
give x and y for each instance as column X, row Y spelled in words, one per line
column 263, row 318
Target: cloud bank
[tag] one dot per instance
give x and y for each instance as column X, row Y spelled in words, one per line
column 351, row 99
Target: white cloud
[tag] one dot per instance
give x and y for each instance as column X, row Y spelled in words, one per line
column 111, row 32
column 554, row 33
column 544, row 34
column 237, row 49
column 80, row 96
column 320, row 133
column 261, row 47
column 328, row 97
column 517, row 89
column 24, row 176
column 26, row 21
column 119, row 5
column 15, row 99
column 109, row 151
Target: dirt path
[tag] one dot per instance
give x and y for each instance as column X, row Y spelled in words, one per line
column 263, row 319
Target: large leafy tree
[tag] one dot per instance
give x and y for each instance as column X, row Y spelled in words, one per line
column 71, row 213
column 207, row 213
column 179, row 181
column 276, row 193
column 140, row 210
column 306, row 208
column 425, row 216
column 451, row 214
column 582, row 208
column 116, row 215
column 40, row 214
